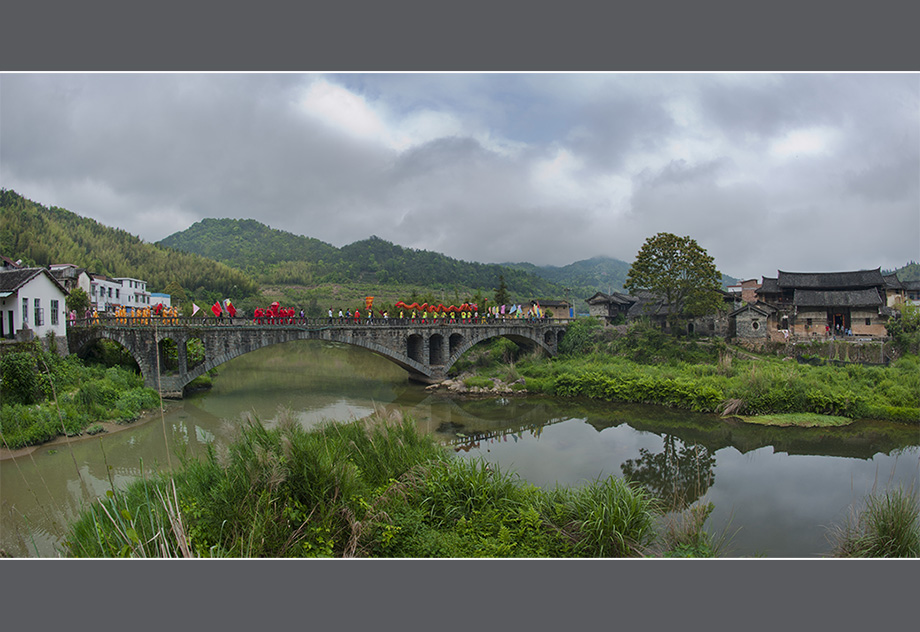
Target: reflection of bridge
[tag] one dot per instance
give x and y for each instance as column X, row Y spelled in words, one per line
column 426, row 350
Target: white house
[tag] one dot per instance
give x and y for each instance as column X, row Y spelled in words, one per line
column 31, row 304
column 134, row 293
column 108, row 294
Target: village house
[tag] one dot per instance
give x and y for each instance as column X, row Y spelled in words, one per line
column 611, row 308
column 616, row 308
column 897, row 292
column 31, row 304
column 558, row 309
column 71, row 277
column 812, row 304
column 107, row 294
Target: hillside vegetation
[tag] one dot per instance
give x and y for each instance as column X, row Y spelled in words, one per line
column 276, row 257
column 42, row 236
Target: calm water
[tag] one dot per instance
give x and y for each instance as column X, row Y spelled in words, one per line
column 775, row 490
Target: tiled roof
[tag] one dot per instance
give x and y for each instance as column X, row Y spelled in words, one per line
column 837, row 298
column 769, row 286
column 831, row 280
column 12, row 280
column 892, row 282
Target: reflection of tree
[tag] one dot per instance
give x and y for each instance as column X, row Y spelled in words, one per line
column 678, row 476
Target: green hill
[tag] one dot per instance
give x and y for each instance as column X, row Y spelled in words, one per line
column 276, row 257
column 42, row 236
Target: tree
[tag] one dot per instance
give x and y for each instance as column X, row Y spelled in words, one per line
column 501, row 294
column 77, row 301
column 679, row 271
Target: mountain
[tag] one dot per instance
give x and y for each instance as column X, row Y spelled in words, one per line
column 910, row 272
column 582, row 278
column 42, row 236
column 279, row 257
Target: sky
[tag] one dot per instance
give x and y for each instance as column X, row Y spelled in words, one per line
column 805, row 172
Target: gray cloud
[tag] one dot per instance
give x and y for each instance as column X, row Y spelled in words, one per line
column 795, row 172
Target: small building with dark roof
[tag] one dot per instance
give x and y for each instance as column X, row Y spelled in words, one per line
column 610, row 308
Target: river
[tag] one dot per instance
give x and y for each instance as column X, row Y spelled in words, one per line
column 776, row 491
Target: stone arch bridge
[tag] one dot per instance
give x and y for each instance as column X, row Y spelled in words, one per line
column 426, row 350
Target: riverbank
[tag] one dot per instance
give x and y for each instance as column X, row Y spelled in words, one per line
column 108, row 427
column 645, row 366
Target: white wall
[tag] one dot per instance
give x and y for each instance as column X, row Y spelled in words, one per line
column 43, row 290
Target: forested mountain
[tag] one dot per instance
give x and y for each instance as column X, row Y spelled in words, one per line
column 583, row 278
column 42, row 236
column 910, row 272
column 278, row 257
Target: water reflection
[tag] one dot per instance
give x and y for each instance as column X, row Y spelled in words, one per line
column 678, row 475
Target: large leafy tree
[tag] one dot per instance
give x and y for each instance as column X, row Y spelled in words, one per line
column 679, row 271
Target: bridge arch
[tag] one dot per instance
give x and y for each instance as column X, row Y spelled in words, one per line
column 426, row 352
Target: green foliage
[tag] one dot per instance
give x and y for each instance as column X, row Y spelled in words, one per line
column 579, row 336
column 67, row 396
column 699, row 378
column 276, row 257
column 52, row 235
column 905, row 328
column 680, row 271
column 77, row 301
column 370, row 488
column 19, row 378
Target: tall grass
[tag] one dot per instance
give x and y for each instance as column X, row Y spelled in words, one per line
column 373, row 488
column 887, row 525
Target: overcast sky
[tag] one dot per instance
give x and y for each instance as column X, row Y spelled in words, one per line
column 796, row 172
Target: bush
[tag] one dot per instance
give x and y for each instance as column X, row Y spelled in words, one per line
column 18, row 375
column 580, row 336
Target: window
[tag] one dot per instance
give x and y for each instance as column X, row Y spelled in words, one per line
column 755, row 325
column 39, row 321
column 116, row 292
column 55, row 308
column 808, row 322
column 25, row 311
column 868, row 321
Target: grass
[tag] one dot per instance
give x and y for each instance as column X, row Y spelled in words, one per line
column 652, row 368
column 65, row 396
column 369, row 488
column 887, row 525
column 802, row 420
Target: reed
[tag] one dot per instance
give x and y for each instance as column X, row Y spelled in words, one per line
column 887, row 525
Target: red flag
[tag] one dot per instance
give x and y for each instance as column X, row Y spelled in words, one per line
column 216, row 309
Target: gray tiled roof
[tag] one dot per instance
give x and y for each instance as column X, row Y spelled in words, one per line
column 837, row 298
column 12, row 280
column 769, row 286
column 831, row 280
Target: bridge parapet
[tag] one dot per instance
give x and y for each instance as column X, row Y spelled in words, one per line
column 426, row 349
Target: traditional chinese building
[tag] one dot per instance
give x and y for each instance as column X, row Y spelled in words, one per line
column 816, row 303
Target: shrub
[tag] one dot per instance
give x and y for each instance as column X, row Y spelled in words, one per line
column 18, row 374
column 579, row 336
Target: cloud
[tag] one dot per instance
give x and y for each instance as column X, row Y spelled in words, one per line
column 766, row 171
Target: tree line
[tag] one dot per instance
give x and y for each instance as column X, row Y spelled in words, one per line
column 42, row 236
